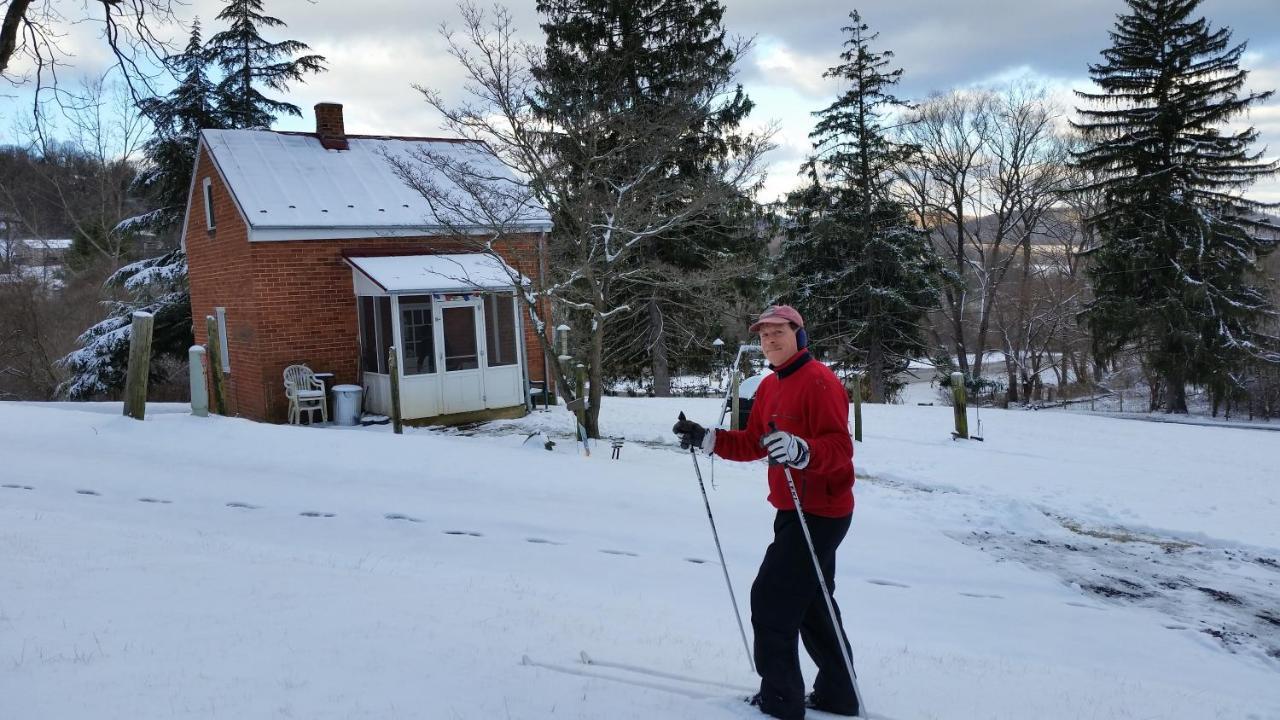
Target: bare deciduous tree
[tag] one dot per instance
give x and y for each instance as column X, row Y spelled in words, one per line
column 604, row 211
column 33, row 33
column 991, row 165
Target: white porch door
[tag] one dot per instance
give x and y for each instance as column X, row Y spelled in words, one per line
column 461, row 355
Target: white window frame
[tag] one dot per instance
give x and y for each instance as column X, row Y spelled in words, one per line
column 222, row 339
column 208, row 205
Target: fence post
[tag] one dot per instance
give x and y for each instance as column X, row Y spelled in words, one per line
column 215, row 364
column 393, row 367
column 199, row 392
column 959, row 406
column 135, row 383
column 857, row 407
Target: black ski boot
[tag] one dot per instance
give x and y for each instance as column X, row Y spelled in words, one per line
column 820, row 702
column 771, row 707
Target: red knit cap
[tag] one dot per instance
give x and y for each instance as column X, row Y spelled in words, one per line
column 778, row 314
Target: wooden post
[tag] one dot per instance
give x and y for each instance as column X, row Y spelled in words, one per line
column 135, row 383
column 959, row 406
column 858, row 408
column 733, row 406
column 393, row 367
column 199, row 392
column 215, row 364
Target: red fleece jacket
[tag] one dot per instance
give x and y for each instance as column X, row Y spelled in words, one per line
column 806, row 399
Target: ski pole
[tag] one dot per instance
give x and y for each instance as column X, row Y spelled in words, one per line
column 745, row 646
column 841, row 638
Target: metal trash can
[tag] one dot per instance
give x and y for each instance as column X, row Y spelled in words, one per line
column 346, row 404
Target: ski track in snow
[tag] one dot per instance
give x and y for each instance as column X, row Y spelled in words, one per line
column 1223, row 590
column 1227, row 592
column 238, row 505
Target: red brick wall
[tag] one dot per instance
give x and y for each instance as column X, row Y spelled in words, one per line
column 220, row 276
column 292, row 302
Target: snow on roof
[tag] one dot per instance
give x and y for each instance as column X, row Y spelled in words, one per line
column 437, row 273
column 286, row 182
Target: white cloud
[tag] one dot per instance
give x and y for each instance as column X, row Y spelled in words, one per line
column 377, row 49
column 781, row 66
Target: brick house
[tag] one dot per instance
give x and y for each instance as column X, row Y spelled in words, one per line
column 308, row 248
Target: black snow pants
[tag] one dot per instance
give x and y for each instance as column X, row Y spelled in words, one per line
column 786, row 601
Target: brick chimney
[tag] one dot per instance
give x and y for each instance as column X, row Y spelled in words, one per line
column 329, row 126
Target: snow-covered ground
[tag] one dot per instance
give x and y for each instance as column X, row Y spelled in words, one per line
column 1069, row 566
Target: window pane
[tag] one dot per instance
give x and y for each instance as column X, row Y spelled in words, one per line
column 417, row 333
column 500, row 329
column 368, row 336
column 460, row 339
column 209, row 218
column 385, row 337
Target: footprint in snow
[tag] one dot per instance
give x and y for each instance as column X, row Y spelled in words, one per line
column 18, row 487
column 982, row 596
column 887, row 583
column 398, row 516
column 472, row 533
column 154, row 500
column 244, row 506
column 87, row 492
column 697, row 561
column 314, row 514
column 542, row 541
column 627, row 553
column 1086, row 606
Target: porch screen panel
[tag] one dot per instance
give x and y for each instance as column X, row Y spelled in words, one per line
column 385, row 336
column 500, row 329
column 417, row 333
column 368, row 335
column 460, row 352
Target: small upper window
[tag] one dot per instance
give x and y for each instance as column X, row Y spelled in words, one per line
column 208, row 204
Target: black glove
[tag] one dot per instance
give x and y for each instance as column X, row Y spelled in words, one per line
column 692, row 434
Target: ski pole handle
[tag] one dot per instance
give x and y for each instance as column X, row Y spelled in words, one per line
column 773, row 428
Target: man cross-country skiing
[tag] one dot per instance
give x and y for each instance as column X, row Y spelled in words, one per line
column 800, row 419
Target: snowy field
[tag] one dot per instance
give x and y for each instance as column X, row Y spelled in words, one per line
column 1070, row 566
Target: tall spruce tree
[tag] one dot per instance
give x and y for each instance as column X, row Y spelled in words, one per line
column 657, row 53
column 159, row 285
column 250, row 62
column 1174, row 273
column 156, row 285
column 177, row 119
column 852, row 262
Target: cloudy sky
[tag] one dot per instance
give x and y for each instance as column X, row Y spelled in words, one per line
column 377, row 49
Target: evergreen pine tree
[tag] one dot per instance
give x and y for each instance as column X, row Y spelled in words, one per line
column 1174, row 272
column 637, row 59
column 157, row 285
column 178, row 119
column 250, row 61
column 852, row 262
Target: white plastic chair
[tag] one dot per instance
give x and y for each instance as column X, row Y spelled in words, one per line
column 305, row 393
